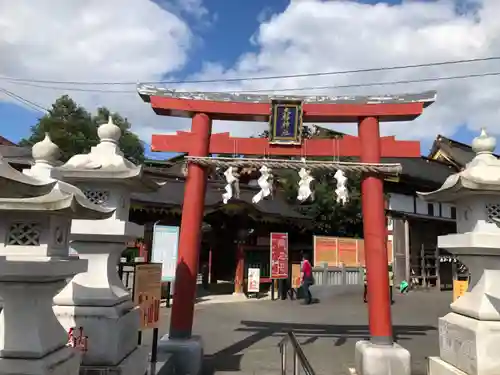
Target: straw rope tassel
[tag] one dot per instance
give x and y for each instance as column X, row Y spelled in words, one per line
column 225, row 162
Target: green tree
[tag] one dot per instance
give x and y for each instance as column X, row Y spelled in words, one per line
column 74, row 130
column 329, row 217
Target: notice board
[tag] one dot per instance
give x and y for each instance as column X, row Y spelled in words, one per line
column 147, row 293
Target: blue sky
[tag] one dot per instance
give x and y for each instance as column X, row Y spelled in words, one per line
column 223, row 41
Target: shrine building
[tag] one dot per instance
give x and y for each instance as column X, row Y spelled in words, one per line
column 413, row 225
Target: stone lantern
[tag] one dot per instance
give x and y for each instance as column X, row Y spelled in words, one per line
column 97, row 299
column 35, row 220
column 470, row 334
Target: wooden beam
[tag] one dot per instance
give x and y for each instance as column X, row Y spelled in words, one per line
column 312, row 112
column 223, row 143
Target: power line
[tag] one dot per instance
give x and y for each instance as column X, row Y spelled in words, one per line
column 355, row 85
column 314, row 74
column 28, row 103
column 372, row 84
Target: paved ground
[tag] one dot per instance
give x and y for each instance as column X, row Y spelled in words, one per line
column 242, row 337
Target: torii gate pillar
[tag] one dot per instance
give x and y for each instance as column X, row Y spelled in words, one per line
column 181, row 321
column 380, row 355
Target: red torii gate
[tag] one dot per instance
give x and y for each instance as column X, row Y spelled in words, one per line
column 367, row 112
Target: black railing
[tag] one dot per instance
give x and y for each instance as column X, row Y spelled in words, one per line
column 299, row 358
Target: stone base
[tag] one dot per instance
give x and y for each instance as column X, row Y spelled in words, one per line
column 136, row 363
column 467, row 344
column 112, row 331
column 187, row 354
column 439, row 367
column 372, row 359
column 61, row 362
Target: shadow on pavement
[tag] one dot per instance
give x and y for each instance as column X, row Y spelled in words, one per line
column 229, row 358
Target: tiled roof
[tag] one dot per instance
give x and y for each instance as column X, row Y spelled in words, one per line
column 423, row 169
column 16, row 155
column 6, row 142
column 172, row 194
column 460, row 153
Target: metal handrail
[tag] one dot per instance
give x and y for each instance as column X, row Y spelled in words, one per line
column 298, row 356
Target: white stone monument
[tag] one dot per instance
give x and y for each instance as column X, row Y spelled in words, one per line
column 469, row 336
column 97, row 299
column 35, row 219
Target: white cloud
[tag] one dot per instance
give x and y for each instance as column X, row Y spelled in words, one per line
column 129, row 40
column 317, row 36
column 92, row 40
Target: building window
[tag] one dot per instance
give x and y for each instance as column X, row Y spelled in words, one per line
column 453, row 213
column 430, row 209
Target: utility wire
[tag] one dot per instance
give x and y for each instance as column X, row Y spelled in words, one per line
column 315, row 74
column 354, row 85
column 372, row 84
column 25, row 102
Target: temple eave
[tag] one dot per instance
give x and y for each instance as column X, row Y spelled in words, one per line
column 146, row 92
column 320, row 109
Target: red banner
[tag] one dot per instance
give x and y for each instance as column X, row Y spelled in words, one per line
column 279, row 255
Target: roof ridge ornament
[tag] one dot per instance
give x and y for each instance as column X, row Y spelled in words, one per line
column 46, row 155
column 109, row 132
column 46, row 151
column 484, row 144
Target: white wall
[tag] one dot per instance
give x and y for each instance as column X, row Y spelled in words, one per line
column 416, row 205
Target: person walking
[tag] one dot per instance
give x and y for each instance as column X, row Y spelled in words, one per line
column 306, row 279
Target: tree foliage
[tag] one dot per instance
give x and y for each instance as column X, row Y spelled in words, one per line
column 74, row 130
column 328, row 216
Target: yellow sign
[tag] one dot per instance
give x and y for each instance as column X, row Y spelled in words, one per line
column 459, row 288
column 147, row 293
column 295, row 276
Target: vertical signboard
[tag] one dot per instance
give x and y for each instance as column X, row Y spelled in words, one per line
column 279, row 255
column 253, row 282
column 165, row 250
column 147, row 293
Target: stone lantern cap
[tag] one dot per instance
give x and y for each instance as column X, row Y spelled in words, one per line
column 480, row 176
column 17, row 185
column 64, row 199
column 105, row 163
column 44, row 193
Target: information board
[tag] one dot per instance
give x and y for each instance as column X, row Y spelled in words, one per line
column 325, row 250
column 253, row 282
column 147, row 293
column 165, row 250
column 337, row 251
column 279, row 255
